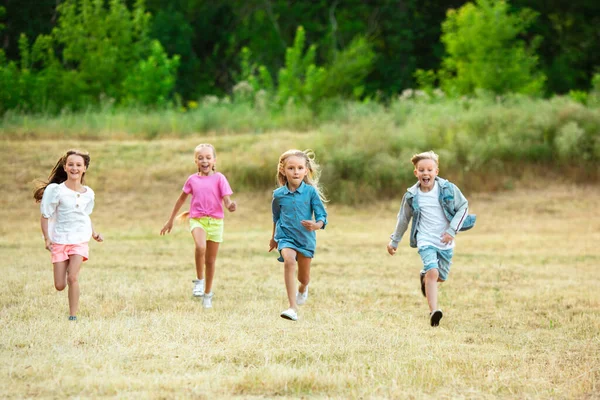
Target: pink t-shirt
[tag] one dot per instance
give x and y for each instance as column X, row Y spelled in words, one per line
column 207, row 195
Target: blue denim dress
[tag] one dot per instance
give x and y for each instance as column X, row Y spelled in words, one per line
column 289, row 208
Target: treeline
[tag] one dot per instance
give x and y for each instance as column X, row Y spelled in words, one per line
column 77, row 54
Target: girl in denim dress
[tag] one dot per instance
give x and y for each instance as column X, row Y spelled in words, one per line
column 294, row 204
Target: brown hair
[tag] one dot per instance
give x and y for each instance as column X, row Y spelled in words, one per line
column 58, row 173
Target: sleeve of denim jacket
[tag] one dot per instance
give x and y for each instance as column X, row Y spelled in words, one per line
column 461, row 208
column 318, row 208
column 404, row 216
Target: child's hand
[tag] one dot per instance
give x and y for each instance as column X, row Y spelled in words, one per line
column 272, row 245
column 391, row 250
column 312, row 225
column 167, row 228
column 232, row 206
column 48, row 244
column 447, row 238
column 97, row 237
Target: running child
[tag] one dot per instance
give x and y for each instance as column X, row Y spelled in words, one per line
column 298, row 198
column 209, row 190
column 438, row 210
column 66, row 205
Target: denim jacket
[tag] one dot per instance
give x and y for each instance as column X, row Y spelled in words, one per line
column 453, row 202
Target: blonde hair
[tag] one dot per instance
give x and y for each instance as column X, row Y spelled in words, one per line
column 427, row 155
column 202, row 146
column 314, row 170
column 58, row 173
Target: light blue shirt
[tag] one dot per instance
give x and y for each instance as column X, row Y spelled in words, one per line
column 289, row 208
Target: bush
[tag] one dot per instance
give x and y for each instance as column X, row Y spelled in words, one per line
column 484, row 50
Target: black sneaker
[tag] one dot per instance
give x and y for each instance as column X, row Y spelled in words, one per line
column 422, row 277
column 435, row 317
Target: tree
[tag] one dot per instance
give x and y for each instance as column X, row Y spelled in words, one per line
column 485, row 50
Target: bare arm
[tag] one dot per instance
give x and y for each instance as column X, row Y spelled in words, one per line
column 169, row 224
column 44, row 225
column 272, row 242
column 96, row 235
column 229, row 204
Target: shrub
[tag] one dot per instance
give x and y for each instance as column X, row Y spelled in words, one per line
column 484, row 50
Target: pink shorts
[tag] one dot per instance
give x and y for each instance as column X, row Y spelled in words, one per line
column 61, row 252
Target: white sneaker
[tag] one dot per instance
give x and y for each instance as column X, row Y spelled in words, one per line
column 302, row 297
column 198, row 290
column 290, row 314
column 207, row 300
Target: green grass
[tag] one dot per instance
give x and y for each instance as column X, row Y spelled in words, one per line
column 521, row 307
column 364, row 148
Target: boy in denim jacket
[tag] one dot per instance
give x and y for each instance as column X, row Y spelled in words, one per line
column 439, row 210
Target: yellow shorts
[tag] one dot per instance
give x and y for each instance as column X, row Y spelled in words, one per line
column 212, row 226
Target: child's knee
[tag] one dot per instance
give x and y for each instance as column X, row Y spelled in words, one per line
column 305, row 280
column 60, row 286
column 72, row 280
column 289, row 263
column 201, row 248
column 432, row 274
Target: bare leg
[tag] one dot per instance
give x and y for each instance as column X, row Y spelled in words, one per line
column 199, row 236
column 75, row 262
column 431, row 289
column 303, row 272
column 60, row 275
column 289, row 275
column 210, row 260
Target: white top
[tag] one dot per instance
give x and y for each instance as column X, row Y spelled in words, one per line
column 433, row 222
column 68, row 212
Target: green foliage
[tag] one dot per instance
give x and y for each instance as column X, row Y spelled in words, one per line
column 104, row 53
column 102, row 43
column 594, row 95
column 152, row 80
column 2, row 14
column 484, row 50
column 579, row 96
column 365, row 148
column 300, row 79
column 346, row 74
column 425, row 80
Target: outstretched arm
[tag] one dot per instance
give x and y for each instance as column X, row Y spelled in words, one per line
column 169, row 224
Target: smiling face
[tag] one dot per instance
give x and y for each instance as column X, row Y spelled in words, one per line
column 75, row 167
column 294, row 170
column 205, row 160
column 426, row 171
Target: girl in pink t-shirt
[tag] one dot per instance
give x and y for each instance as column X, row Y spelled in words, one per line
column 209, row 190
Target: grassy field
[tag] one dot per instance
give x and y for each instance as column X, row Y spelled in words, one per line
column 521, row 307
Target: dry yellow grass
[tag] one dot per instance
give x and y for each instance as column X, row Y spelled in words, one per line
column 521, row 307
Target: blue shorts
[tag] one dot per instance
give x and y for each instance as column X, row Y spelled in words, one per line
column 436, row 258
